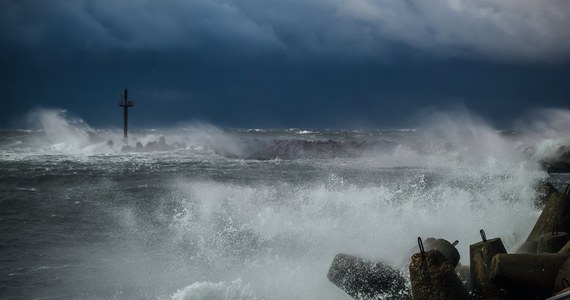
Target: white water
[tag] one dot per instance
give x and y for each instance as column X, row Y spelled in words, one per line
column 276, row 239
column 310, row 224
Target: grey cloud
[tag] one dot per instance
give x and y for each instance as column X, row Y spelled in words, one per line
column 501, row 30
column 175, row 23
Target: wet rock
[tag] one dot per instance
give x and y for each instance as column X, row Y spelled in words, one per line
column 151, row 146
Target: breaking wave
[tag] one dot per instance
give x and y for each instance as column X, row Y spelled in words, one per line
column 280, row 238
column 544, row 139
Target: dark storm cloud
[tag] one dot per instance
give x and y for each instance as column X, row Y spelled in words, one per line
column 128, row 25
column 503, row 30
column 282, row 63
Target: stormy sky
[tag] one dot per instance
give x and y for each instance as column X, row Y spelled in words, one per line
column 283, row 63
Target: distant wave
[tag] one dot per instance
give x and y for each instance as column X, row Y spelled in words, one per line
column 543, row 138
column 307, row 149
column 269, row 149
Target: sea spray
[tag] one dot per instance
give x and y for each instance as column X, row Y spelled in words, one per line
column 159, row 223
column 275, row 225
column 441, row 136
column 62, row 132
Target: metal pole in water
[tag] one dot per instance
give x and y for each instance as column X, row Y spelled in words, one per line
column 125, row 103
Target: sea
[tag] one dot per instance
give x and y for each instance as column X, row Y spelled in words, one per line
column 198, row 211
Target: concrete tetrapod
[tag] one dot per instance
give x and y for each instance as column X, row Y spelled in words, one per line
column 562, row 281
column 565, row 249
column 543, row 191
column 434, row 278
column 481, row 255
column 445, row 247
column 562, row 295
column 365, row 279
column 556, row 214
column 527, row 276
column 552, row 242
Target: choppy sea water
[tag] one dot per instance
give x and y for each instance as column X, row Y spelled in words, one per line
column 210, row 213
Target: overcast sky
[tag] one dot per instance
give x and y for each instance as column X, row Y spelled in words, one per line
column 283, row 63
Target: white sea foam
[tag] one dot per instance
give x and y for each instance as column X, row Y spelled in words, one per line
column 233, row 290
column 280, row 239
column 61, row 133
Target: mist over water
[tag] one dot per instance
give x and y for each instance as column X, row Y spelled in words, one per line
column 212, row 213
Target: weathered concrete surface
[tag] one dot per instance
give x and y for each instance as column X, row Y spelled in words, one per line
column 365, row 279
column 562, row 281
column 555, row 215
column 433, row 278
column 552, row 242
column 527, row 276
column 481, row 255
column 445, row 247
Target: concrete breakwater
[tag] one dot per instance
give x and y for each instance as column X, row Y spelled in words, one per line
column 539, row 268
